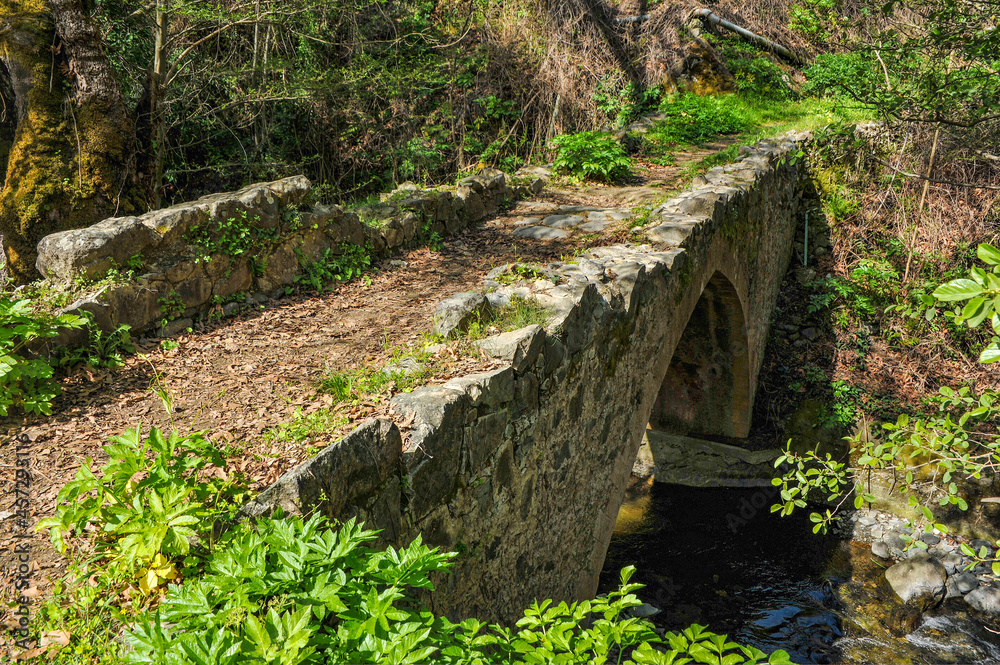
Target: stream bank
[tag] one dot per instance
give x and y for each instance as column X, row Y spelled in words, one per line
column 719, row 557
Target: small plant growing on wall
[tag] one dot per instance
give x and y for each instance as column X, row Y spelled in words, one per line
column 237, row 236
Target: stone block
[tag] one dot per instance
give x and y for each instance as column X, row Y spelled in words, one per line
column 351, row 472
column 134, row 306
column 92, row 251
column 672, row 233
column 519, row 347
column 454, row 314
column 492, row 389
column 475, row 210
column 431, row 459
column 280, row 269
column 921, row 580
column 237, row 279
column 194, row 292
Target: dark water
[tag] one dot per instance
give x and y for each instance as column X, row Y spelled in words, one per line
column 719, row 557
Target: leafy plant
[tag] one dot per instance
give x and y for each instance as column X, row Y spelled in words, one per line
column 171, row 305
column 981, row 292
column 148, row 500
column 235, row 237
column 26, row 379
column 347, row 264
column 295, row 591
column 592, row 156
column 691, row 118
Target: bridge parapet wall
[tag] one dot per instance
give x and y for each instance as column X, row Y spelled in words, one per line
column 174, row 280
column 522, row 469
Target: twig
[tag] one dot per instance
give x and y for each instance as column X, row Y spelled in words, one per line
column 920, row 207
column 939, row 181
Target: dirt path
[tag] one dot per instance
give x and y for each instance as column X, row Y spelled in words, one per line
column 239, row 377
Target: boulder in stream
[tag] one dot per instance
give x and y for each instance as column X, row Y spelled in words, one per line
column 985, row 599
column 920, row 580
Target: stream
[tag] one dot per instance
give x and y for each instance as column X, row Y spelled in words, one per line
column 719, row 557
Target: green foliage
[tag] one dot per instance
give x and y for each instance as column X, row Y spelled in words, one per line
column 295, row 591
column 306, row 426
column 26, row 380
column 624, row 104
column 843, row 74
column 171, row 305
column 926, row 61
column 692, row 119
column 592, row 156
column 350, row 262
column 980, row 290
column 102, row 349
column 930, row 457
column 757, row 76
column 519, row 313
column 150, row 499
column 236, row 237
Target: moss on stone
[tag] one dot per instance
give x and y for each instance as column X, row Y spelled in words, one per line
column 66, row 167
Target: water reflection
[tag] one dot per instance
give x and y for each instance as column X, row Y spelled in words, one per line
column 718, row 557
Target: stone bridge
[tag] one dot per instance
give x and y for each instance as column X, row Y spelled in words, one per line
column 522, row 469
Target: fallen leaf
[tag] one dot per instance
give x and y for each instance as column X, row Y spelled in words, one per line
column 57, row 637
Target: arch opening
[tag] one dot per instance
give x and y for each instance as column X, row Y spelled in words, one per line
column 706, row 389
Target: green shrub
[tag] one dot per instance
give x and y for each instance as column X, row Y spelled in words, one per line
column 148, row 500
column 691, row 118
column 26, row 380
column 592, row 156
column 295, row 591
column 756, row 76
column 844, row 74
column 347, row 264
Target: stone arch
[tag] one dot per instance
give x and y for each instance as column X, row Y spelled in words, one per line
column 706, row 390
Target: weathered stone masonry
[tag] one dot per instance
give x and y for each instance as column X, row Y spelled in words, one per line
column 173, row 272
column 523, row 469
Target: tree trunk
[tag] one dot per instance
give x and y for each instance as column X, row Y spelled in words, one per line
column 72, row 161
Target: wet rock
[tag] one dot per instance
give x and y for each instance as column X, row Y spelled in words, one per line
column 979, row 543
column 880, row 549
column 985, row 599
column 457, row 312
column 920, row 581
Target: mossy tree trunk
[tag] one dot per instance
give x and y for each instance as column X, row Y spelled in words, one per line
column 72, row 159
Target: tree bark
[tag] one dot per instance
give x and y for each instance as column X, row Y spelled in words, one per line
column 72, row 161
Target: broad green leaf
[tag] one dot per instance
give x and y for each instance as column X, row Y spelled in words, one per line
column 988, row 254
column 958, row 289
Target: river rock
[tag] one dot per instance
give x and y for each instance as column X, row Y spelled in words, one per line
column 921, row 580
column 965, row 581
column 985, row 599
column 930, row 538
column 894, row 540
column 880, row 549
column 951, row 562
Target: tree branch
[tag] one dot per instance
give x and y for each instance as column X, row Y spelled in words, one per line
column 938, row 180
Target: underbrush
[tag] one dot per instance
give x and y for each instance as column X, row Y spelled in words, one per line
column 161, row 573
column 907, row 301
